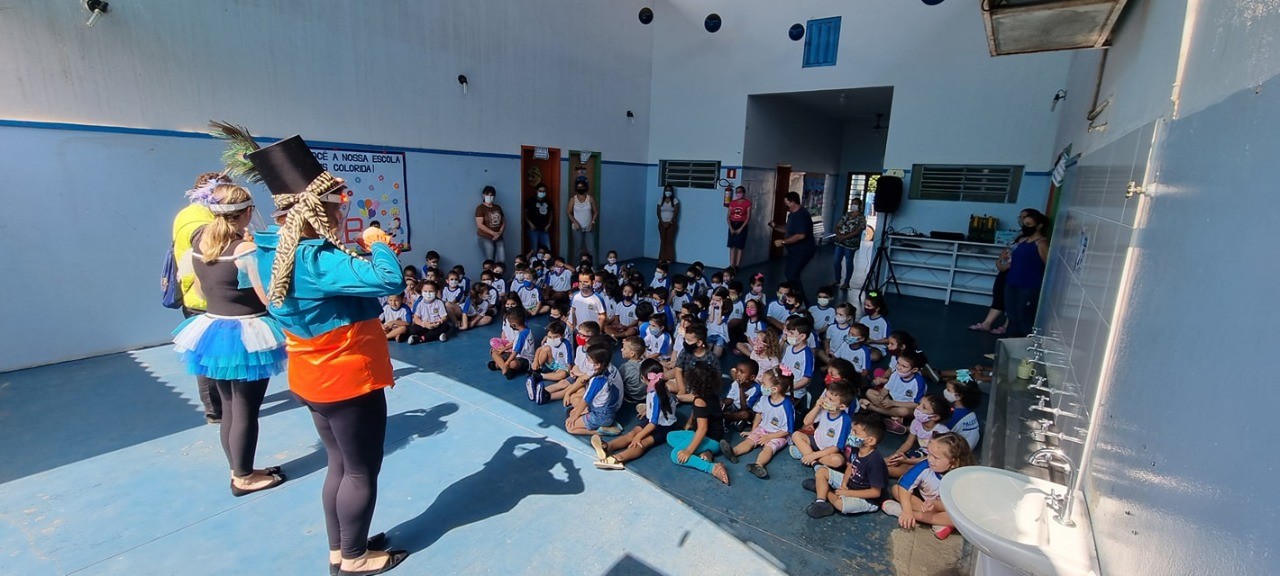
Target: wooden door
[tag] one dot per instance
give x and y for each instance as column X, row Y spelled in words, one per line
column 535, row 170
column 782, row 185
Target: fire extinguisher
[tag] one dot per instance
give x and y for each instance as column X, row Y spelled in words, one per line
column 728, row 190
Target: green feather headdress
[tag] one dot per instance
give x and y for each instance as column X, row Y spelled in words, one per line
column 236, row 156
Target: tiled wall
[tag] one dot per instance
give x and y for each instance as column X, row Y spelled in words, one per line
column 1092, row 232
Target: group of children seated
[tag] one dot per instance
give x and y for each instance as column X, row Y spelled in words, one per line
column 672, row 333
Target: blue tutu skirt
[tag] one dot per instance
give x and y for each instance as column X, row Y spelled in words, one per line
column 249, row 348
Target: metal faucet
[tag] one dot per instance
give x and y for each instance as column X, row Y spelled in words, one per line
column 1059, row 503
column 1039, row 384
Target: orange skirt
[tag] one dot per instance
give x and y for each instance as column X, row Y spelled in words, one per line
column 341, row 364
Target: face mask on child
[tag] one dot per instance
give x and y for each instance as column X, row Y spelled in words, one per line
column 580, row 339
column 830, row 379
column 613, row 260
column 553, row 342
column 851, row 340
column 824, row 302
column 429, row 296
column 795, row 339
column 842, row 319
column 856, row 441
column 830, row 406
column 923, row 417
column 949, row 396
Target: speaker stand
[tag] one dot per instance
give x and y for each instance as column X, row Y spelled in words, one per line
column 881, row 264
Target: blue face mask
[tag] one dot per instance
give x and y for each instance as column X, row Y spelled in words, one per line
column 855, row 441
column 527, row 284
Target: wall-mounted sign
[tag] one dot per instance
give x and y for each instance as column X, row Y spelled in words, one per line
column 377, row 184
column 541, row 153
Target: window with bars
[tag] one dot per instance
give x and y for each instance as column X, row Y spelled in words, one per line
column 965, row 183
column 861, row 187
column 689, row 173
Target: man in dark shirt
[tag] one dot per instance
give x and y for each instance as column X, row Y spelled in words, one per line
column 538, row 216
column 798, row 238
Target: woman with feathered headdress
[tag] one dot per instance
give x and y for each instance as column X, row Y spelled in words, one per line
column 325, row 296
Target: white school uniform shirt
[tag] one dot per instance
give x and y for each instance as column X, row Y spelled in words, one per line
column 602, row 394
column 611, row 268
column 492, row 298
column 583, row 308
column 965, row 423
column 911, row 390
column 654, row 412
column 718, row 323
column 699, row 286
column 562, row 355
column 523, row 345
column 453, row 295
column 739, row 310
column 391, row 314
column 754, row 329
column 475, row 308
column 778, row 311
column 677, row 302
column 801, row 364
column 499, row 286
column 777, row 417
column 656, row 342
column 822, row 318
column 834, row 336
column 923, row 477
column 879, row 330
column 753, row 296
column 431, row 311
column 660, row 282
column 529, row 297
column 508, row 332
column 625, row 313
column 753, row 395
column 924, row 436
column 828, row 431
column 860, row 358
column 560, row 282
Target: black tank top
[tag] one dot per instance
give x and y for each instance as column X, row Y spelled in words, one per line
column 219, row 281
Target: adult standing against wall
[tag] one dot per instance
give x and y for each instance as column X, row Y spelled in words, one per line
column 988, row 324
column 583, row 215
column 538, row 218
column 185, row 224
column 668, row 217
column 491, row 223
column 235, row 344
column 739, row 217
column 798, row 239
column 1025, row 273
column 326, row 298
column 848, row 239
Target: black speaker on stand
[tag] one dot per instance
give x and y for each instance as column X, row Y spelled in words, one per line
column 888, row 199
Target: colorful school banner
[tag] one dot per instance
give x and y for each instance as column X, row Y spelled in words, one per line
column 377, row 184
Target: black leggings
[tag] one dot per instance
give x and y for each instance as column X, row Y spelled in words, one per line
column 353, row 432
column 241, row 401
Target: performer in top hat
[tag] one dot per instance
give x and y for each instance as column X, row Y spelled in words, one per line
column 325, row 297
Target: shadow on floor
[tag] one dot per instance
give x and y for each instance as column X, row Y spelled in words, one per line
column 522, row 467
column 402, row 429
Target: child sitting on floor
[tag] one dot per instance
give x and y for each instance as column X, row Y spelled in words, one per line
column 744, row 392
column 831, row 427
column 476, row 311
column 861, row 488
column 704, row 433
column 598, row 406
column 854, row 349
column 634, row 387
column 529, row 295
column 514, row 360
column 834, row 336
column 797, row 356
column 900, row 396
column 774, row 423
column 395, row 318
column 656, row 340
column 916, row 497
column 873, row 318
column 551, row 362
column 766, row 350
column 657, row 418
column 622, row 319
column 753, row 324
column 963, row 394
column 718, row 321
column 430, row 318
column 823, row 314
column 694, row 352
column 929, row 415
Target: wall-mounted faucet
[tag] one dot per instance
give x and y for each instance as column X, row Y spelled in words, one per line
column 1039, row 385
column 1042, row 405
column 1059, row 503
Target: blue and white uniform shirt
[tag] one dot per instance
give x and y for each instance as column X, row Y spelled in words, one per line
column 828, row 431
column 910, row 390
column 780, row 417
column 656, row 342
column 801, row 364
column 654, row 410
column 879, row 328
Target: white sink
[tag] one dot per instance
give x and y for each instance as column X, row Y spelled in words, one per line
column 1004, row 515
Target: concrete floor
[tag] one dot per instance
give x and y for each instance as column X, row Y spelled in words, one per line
column 108, row 468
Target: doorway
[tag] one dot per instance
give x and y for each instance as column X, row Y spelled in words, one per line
column 782, row 185
column 585, row 164
column 539, row 165
column 862, row 186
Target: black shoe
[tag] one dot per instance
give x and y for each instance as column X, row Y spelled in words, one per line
column 211, row 419
column 377, row 542
column 809, row 484
column 820, row 509
column 727, row 448
column 512, row 375
column 758, row 471
column 397, row 556
column 238, row 492
column 493, row 366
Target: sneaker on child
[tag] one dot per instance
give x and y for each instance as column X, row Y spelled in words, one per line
column 892, row 508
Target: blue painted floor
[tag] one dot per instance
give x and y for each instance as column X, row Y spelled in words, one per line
column 107, row 468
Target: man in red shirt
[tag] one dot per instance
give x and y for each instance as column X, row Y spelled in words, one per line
column 739, row 217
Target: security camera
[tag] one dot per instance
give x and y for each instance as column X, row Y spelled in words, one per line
column 96, row 8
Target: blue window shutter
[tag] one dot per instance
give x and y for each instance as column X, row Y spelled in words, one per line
column 821, row 42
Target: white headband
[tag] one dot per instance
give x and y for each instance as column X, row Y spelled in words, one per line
column 229, row 208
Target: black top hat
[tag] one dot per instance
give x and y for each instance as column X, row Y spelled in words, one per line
column 289, row 167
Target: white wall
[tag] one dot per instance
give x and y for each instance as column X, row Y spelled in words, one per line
column 1177, row 485
column 952, row 102
column 783, row 132
column 380, row 73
